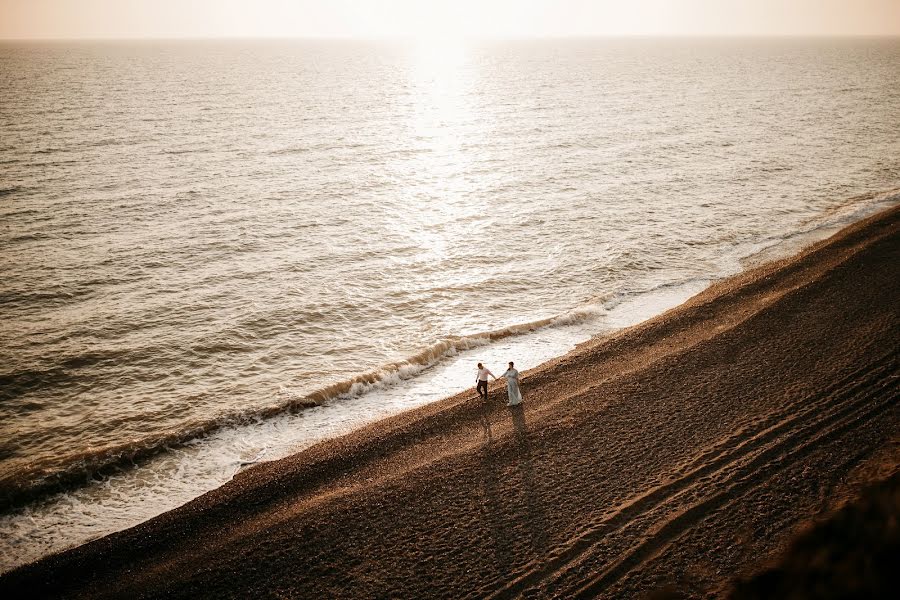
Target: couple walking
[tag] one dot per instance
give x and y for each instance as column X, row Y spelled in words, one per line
column 512, row 384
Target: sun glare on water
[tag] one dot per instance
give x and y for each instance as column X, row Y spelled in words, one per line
column 441, row 132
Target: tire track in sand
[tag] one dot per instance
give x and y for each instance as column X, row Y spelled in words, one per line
column 773, row 434
column 770, row 461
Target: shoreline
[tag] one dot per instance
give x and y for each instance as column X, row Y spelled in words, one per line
column 19, row 494
column 483, row 449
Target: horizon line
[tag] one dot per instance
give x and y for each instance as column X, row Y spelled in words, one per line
column 413, row 38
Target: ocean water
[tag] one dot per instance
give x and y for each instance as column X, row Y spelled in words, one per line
column 215, row 253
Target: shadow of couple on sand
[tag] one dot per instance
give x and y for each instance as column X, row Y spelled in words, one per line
column 512, row 505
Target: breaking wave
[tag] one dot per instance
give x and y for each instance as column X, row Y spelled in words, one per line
column 40, row 480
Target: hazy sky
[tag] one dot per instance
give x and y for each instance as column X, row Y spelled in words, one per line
column 442, row 18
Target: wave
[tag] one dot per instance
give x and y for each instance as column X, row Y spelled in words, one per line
column 850, row 210
column 63, row 371
column 428, row 357
column 42, row 480
column 853, row 208
column 9, row 191
column 19, row 383
column 50, row 150
column 177, row 151
column 291, row 150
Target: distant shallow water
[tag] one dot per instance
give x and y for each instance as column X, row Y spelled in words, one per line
column 201, row 239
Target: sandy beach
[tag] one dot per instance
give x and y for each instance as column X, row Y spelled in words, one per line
column 682, row 452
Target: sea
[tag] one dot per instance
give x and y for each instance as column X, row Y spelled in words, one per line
column 220, row 252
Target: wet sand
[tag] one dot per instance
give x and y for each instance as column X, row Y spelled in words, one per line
column 682, row 452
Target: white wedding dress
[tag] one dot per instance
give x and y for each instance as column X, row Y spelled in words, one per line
column 512, row 387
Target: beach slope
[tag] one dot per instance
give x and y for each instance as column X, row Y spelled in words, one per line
column 680, row 452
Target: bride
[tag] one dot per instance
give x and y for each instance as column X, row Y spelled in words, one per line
column 512, row 386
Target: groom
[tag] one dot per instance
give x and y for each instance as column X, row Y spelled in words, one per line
column 482, row 379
